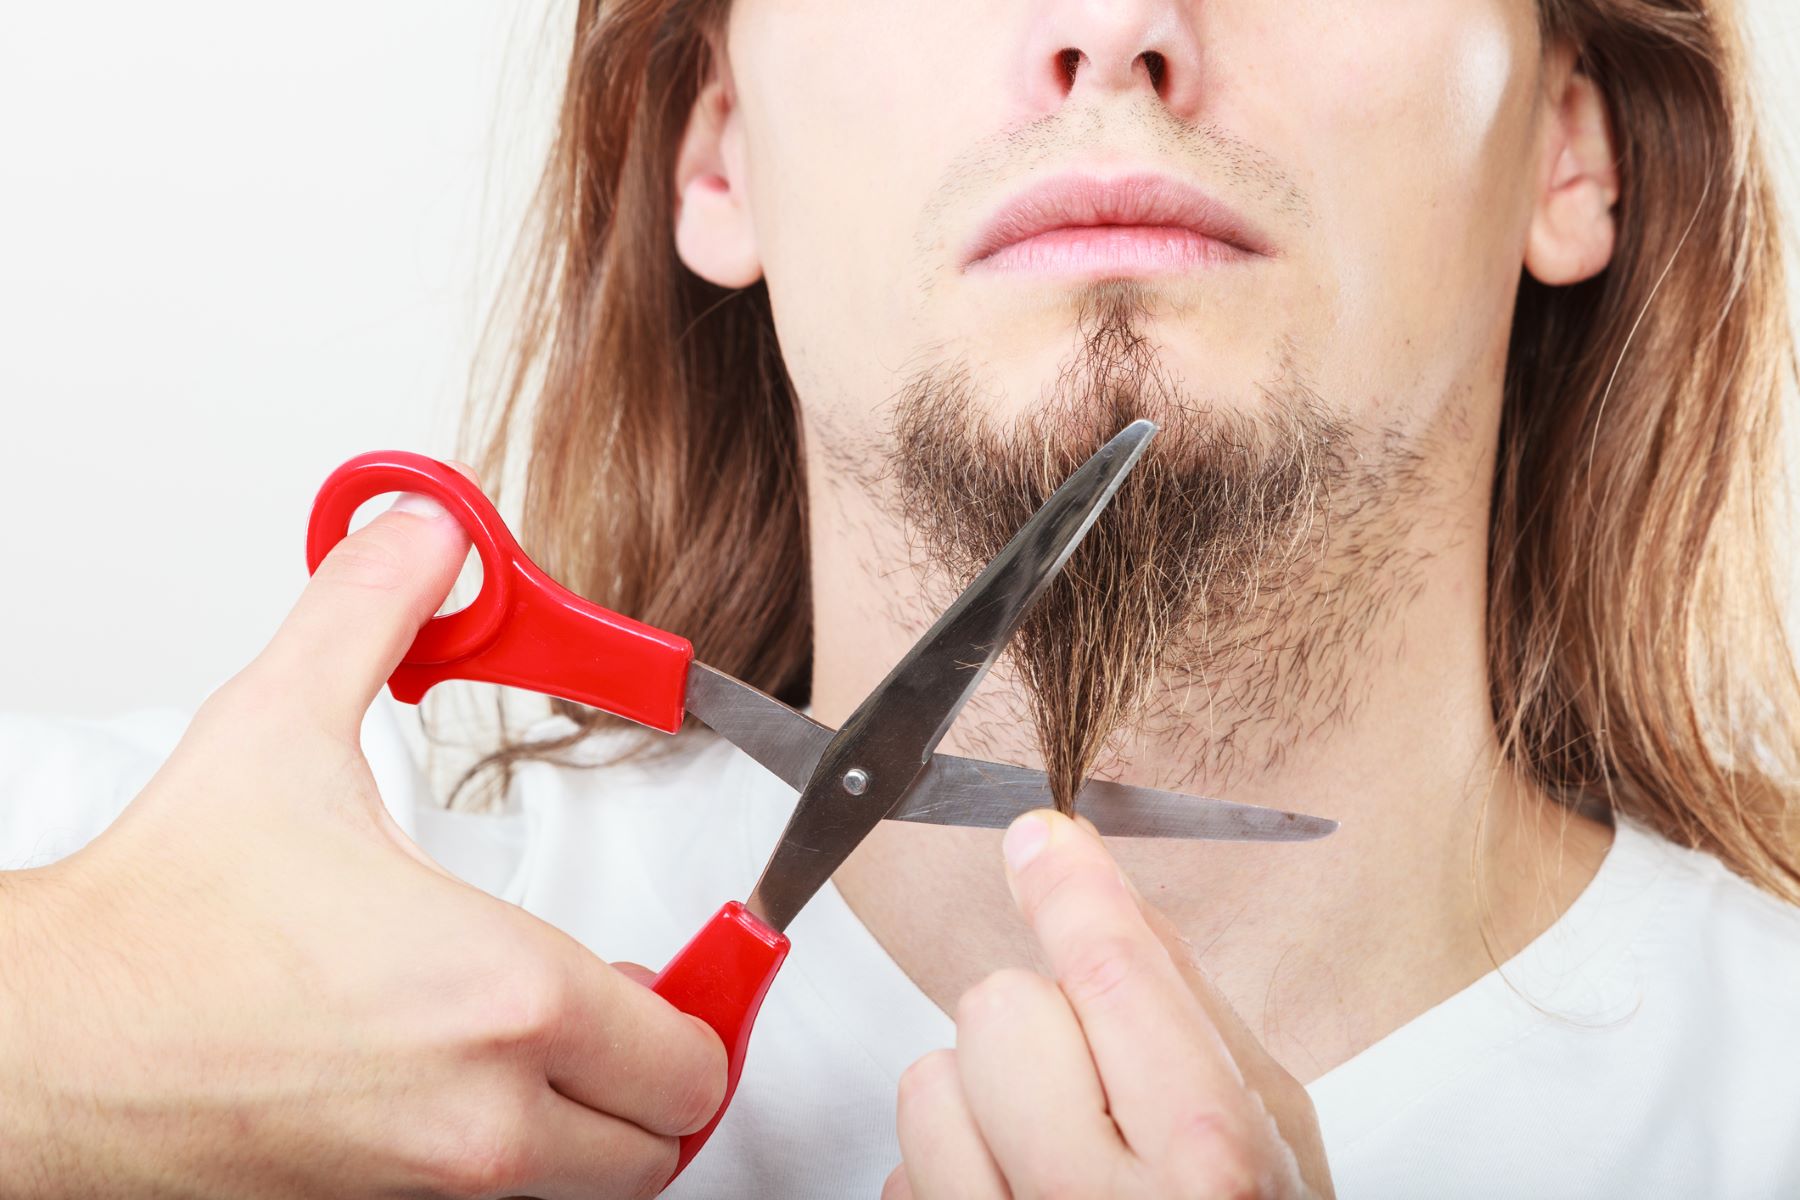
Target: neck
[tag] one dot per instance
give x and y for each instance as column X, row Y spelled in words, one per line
column 1446, row 860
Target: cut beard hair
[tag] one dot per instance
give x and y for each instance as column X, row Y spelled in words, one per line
column 1210, row 567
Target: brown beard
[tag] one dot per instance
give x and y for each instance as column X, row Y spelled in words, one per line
column 1210, row 565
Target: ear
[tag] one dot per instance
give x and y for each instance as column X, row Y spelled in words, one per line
column 714, row 234
column 1572, row 230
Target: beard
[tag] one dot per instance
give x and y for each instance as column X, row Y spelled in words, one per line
column 1245, row 560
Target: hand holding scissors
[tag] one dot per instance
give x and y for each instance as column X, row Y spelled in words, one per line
column 525, row 630
column 253, row 982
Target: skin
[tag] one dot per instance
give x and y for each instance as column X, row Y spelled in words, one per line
column 1405, row 169
column 253, row 984
column 1143, row 1080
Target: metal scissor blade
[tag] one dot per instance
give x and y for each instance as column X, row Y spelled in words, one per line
column 974, row 792
column 971, row 633
column 969, row 791
column 887, row 741
column 787, row 743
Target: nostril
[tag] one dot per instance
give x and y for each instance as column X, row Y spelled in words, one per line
column 1157, row 66
column 1069, row 60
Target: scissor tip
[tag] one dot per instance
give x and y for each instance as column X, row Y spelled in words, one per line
column 1318, row 827
column 1131, row 441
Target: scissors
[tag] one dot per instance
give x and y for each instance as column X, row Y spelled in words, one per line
column 525, row 630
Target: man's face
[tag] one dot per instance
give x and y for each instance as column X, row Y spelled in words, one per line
column 1377, row 160
column 1291, row 233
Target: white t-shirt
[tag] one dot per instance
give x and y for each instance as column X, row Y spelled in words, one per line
column 1647, row 1045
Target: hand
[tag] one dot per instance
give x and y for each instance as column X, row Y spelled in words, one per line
column 254, row 984
column 1126, row 1076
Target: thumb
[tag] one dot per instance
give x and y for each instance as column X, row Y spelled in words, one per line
column 361, row 610
column 1180, row 949
column 1252, row 1059
column 1282, row 1095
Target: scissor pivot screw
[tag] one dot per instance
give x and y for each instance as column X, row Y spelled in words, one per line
column 856, row 781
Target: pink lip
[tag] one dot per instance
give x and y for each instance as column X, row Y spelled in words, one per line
column 1131, row 225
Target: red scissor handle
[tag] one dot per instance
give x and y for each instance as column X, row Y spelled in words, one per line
column 721, row 977
column 524, row 629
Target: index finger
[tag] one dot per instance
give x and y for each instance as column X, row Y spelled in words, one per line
column 1166, row 1069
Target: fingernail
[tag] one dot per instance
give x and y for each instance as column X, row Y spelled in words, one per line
column 1024, row 839
column 420, row 505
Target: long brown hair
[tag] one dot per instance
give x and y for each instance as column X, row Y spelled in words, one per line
column 1637, row 653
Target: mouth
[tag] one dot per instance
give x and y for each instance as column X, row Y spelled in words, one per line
column 1138, row 224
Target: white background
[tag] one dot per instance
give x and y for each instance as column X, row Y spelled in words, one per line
column 238, row 244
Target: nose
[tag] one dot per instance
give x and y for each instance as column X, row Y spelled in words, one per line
column 1101, row 48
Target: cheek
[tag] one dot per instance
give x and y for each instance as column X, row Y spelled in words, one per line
column 1412, row 133
column 849, row 113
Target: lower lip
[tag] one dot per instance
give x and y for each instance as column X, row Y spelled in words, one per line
column 1111, row 250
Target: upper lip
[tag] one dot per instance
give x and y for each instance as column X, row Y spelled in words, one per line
column 1143, row 198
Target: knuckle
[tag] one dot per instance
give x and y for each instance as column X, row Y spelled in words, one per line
column 525, row 1007
column 488, row 1158
column 699, row 1091
column 490, row 1169
column 250, row 730
column 1001, row 997
column 896, row 1186
column 1080, row 1182
column 1096, row 970
column 1232, row 1179
column 236, row 692
column 247, row 700
column 926, row 1079
column 1211, row 1157
column 652, row 1170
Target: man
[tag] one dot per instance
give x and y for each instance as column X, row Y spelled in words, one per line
column 1464, row 327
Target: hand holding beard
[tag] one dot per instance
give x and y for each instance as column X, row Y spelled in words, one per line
column 1254, row 543
column 1124, row 1075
